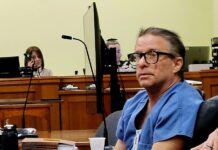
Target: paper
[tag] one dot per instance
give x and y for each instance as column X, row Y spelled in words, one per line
column 47, row 143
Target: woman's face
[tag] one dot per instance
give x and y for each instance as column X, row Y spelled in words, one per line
column 37, row 60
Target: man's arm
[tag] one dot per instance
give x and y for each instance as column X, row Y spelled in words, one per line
column 176, row 143
column 120, row 145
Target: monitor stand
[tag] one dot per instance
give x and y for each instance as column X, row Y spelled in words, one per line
column 117, row 100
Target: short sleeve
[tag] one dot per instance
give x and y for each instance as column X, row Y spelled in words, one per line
column 175, row 119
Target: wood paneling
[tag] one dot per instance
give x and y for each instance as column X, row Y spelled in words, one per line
column 36, row 115
column 209, row 80
column 78, row 108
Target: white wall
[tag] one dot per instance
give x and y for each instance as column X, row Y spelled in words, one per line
column 42, row 22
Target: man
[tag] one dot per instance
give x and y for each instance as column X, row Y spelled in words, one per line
column 113, row 43
column 162, row 116
column 123, row 65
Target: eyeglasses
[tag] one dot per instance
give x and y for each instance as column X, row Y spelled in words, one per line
column 150, row 57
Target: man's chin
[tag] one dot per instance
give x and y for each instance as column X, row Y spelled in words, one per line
column 145, row 84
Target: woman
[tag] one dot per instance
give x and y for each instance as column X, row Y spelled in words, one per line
column 34, row 59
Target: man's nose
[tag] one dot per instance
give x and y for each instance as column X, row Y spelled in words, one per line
column 142, row 61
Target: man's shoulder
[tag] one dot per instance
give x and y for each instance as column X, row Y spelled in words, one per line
column 140, row 97
column 186, row 92
column 183, row 86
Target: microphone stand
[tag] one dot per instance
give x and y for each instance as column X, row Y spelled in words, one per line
column 25, row 103
column 103, row 111
column 87, row 52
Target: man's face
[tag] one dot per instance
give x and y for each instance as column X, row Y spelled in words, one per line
column 160, row 73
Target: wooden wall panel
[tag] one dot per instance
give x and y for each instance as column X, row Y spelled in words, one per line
column 78, row 107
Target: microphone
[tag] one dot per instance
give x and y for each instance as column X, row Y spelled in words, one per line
column 66, row 37
column 28, row 56
column 28, row 70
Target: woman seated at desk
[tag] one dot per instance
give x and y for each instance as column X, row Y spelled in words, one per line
column 34, row 59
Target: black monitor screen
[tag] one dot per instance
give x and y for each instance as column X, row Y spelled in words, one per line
column 9, row 67
column 103, row 60
column 92, row 38
column 197, row 55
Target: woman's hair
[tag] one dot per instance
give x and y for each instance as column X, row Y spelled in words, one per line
column 176, row 46
column 38, row 52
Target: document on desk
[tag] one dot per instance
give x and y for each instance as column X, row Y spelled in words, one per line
column 47, row 143
column 193, row 82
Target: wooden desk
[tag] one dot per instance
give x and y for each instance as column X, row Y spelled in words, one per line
column 78, row 109
column 209, row 80
column 38, row 113
column 41, row 88
column 79, row 136
column 192, row 76
column 44, row 87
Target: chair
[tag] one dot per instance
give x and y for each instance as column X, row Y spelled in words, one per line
column 111, row 123
column 207, row 121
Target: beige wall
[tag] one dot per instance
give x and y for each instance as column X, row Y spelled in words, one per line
column 215, row 17
column 42, row 22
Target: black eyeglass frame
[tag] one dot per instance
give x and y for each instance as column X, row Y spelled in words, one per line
column 149, row 52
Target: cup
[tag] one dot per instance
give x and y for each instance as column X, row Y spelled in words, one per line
column 97, row 143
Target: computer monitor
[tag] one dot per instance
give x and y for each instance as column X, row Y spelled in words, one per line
column 9, row 67
column 197, row 55
column 103, row 60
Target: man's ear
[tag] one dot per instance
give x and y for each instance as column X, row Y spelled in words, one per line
column 178, row 63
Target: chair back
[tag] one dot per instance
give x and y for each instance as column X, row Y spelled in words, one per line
column 207, row 121
column 111, row 124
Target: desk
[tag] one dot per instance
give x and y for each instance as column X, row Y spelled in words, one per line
column 78, row 109
column 38, row 113
column 79, row 136
column 209, row 80
column 41, row 88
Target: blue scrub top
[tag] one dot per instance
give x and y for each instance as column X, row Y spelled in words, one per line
column 173, row 114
